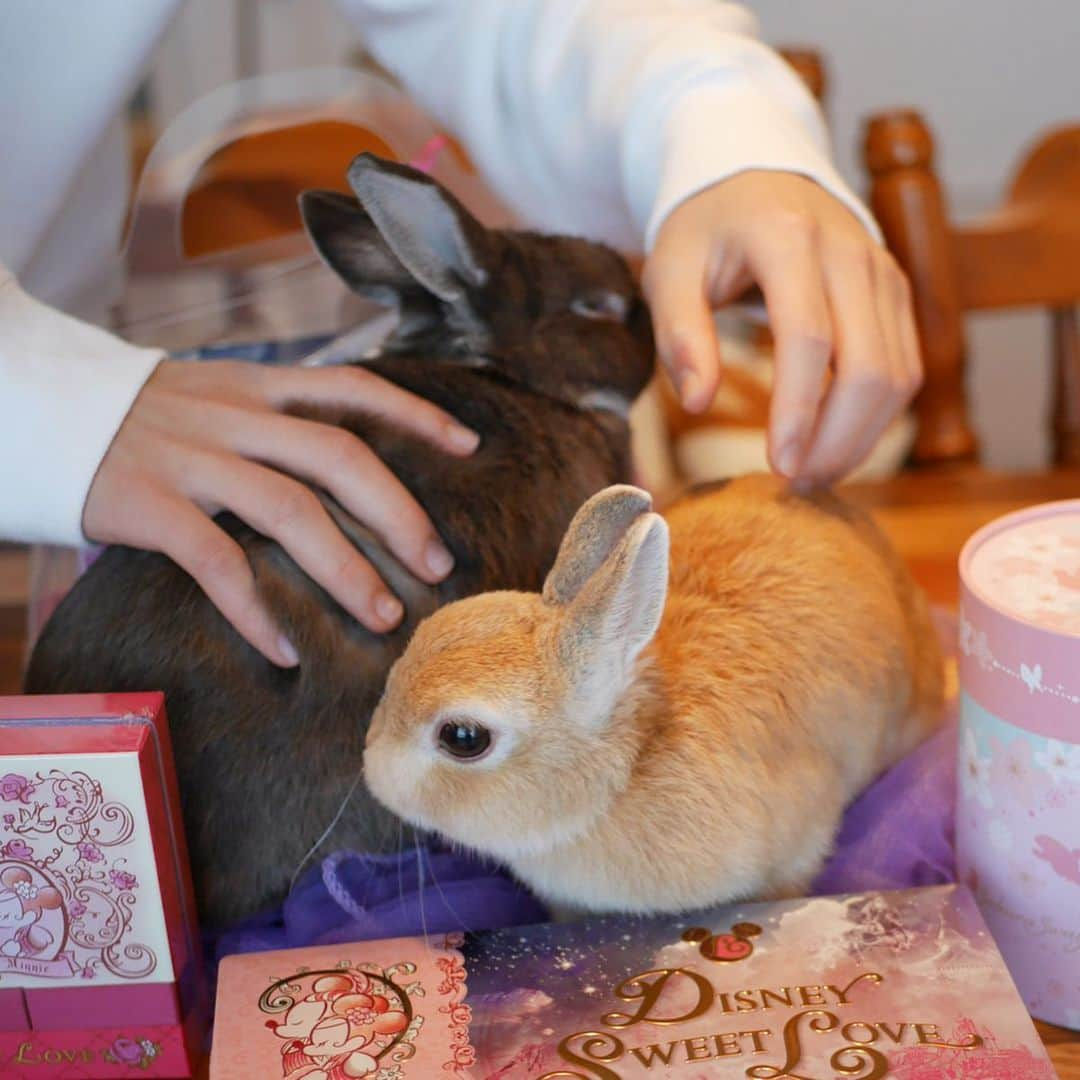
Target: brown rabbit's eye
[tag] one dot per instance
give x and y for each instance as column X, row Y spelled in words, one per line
column 602, row 305
column 464, row 740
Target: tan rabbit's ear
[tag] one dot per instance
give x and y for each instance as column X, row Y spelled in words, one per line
column 592, row 536
column 614, row 616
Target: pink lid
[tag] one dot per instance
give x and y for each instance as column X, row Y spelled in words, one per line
column 1027, row 565
column 1020, row 619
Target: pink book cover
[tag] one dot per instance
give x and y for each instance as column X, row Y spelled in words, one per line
column 906, row 985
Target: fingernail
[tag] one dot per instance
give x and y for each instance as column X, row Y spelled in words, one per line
column 789, row 458
column 287, row 651
column 462, row 438
column 388, row 608
column 439, row 561
column 689, row 385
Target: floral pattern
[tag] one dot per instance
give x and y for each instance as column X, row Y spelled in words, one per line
column 1032, row 571
column 17, row 849
column 137, row 1053
column 15, row 788
column 64, row 836
column 1017, row 844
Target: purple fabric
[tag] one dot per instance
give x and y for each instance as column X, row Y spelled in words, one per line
column 354, row 897
column 899, row 833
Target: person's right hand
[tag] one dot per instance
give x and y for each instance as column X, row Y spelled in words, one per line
column 205, row 437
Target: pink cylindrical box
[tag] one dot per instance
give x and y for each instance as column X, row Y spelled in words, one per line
column 1018, row 815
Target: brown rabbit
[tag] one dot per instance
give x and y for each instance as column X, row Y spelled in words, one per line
column 623, row 755
column 538, row 343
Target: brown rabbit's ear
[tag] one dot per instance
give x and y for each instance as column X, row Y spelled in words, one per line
column 433, row 236
column 596, row 528
column 614, row 616
column 350, row 244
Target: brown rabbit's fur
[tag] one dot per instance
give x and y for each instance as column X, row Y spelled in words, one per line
column 795, row 660
column 265, row 756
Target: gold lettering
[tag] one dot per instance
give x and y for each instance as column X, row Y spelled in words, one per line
column 897, row 1035
column 597, row 1046
column 696, row 1049
column 812, row 995
column 757, row 1036
column 842, row 995
column 847, row 1032
column 649, row 987
column 51, row 1055
column 926, row 1034
column 745, row 998
column 649, row 1055
column 819, row 1021
column 783, row 998
column 727, row 1045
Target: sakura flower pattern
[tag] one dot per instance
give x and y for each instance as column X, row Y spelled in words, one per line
column 975, row 772
column 1032, row 570
column 1013, row 772
column 1060, row 761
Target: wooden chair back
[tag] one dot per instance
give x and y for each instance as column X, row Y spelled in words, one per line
column 246, row 192
column 1024, row 253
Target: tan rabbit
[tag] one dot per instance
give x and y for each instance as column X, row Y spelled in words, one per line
column 620, row 754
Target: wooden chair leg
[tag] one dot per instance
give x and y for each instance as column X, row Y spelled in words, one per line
column 1066, row 354
column 908, row 203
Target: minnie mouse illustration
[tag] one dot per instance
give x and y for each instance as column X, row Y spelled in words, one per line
column 338, row 1031
column 724, row 948
column 22, row 904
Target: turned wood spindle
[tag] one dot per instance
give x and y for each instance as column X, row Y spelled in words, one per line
column 907, row 200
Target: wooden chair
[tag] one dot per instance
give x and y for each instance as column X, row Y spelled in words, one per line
column 1024, row 253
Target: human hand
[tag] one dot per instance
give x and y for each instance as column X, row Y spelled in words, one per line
column 847, row 355
column 202, row 438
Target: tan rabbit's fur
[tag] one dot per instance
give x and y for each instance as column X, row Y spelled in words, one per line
column 795, row 660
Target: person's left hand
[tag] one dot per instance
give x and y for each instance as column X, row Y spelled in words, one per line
column 847, row 355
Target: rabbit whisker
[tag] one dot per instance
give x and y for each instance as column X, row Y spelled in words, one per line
column 326, row 832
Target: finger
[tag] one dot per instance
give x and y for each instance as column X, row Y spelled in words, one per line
column 355, row 387
column 346, row 467
column 674, row 282
column 787, row 266
column 180, row 530
column 910, row 349
column 290, row 513
column 859, row 398
column 903, row 381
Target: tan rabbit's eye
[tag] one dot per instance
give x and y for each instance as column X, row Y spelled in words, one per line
column 462, row 739
column 601, row 305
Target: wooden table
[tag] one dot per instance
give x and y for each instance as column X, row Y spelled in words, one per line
column 928, row 517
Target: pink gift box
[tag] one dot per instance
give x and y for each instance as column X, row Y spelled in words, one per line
column 1018, row 824
column 13, row 1016
column 99, row 952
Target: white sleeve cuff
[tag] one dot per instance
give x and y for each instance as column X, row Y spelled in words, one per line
column 65, row 389
column 713, row 132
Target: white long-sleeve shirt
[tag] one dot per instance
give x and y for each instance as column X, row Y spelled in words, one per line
column 594, row 117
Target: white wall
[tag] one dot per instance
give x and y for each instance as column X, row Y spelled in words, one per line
column 988, row 74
